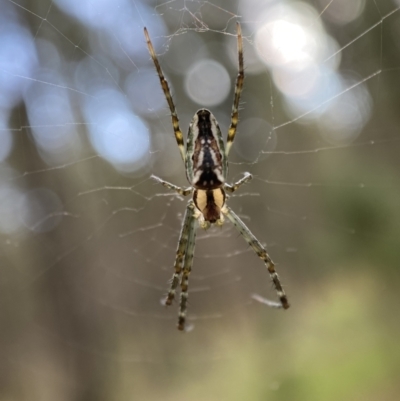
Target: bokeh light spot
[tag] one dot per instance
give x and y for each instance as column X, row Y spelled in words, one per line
column 207, row 83
column 40, row 210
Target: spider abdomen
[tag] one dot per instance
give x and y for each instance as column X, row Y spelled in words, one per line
column 205, row 154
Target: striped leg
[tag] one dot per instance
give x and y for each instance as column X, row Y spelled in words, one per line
column 189, row 253
column 238, row 91
column 167, row 93
column 232, row 188
column 188, row 223
column 172, row 187
column 260, row 251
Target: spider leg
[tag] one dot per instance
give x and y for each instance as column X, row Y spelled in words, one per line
column 187, row 227
column 238, row 91
column 168, row 96
column 232, row 188
column 187, row 267
column 260, row 251
column 172, row 187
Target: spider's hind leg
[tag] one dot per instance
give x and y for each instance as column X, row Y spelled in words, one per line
column 238, row 91
column 168, row 97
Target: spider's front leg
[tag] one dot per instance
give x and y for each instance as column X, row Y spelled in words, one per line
column 260, row 251
column 187, row 268
column 181, row 252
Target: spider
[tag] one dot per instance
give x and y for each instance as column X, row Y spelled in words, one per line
column 206, row 164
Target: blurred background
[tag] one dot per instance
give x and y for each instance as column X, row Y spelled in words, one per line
column 88, row 240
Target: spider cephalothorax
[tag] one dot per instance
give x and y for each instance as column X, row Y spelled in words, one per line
column 206, row 163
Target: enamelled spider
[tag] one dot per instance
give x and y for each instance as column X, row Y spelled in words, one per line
column 206, row 165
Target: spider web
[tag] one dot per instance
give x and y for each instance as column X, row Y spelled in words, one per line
column 88, row 240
